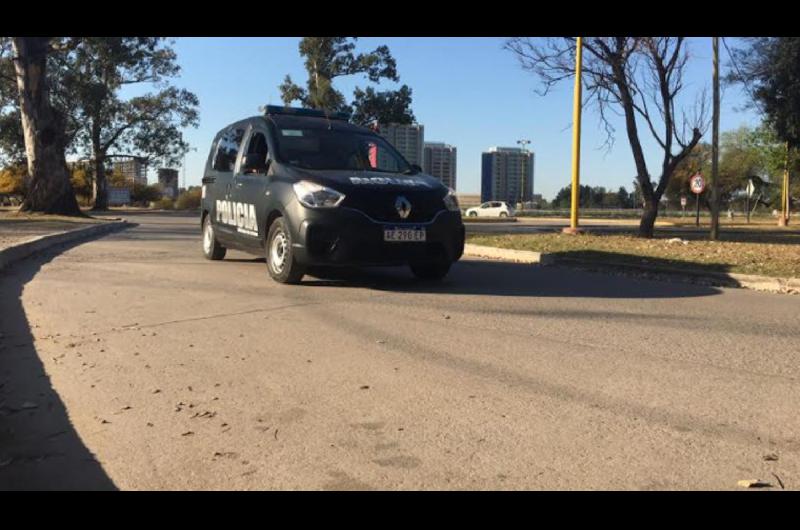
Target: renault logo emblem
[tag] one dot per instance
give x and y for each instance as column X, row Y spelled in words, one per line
column 403, row 207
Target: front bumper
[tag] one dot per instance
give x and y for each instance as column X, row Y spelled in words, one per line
column 346, row 236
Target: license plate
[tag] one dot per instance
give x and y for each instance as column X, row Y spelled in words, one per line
column 404, row 234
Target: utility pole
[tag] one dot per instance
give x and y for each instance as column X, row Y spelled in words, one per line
column 576, row 140
column 714, row 234
column 523, row 168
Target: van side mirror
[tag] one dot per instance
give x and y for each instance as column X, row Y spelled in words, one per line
column 255, row 163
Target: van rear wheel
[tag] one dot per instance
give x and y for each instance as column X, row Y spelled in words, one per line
column 281, row 262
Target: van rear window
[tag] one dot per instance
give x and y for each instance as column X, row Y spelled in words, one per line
column 227, row 149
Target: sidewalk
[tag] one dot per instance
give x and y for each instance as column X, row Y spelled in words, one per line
column 22, row 235
column 15, row 229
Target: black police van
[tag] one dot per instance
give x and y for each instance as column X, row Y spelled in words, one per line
column 308, row 188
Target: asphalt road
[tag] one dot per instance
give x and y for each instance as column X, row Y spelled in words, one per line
column 131, row 362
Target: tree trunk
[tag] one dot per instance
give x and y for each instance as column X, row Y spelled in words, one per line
column 648, row 221
column 100, row 181
column 650, row 202
column 49, row 187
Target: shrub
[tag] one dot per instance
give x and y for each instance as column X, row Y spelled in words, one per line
column 12, row 179
column 145, row 194
column 189, row 199
column 164, row 203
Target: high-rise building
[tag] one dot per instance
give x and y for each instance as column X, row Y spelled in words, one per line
column 408, row 139
column 439, row 160
column 507, row 175
column 168, row 182
column 134, row 169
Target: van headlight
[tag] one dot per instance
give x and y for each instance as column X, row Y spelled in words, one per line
column 451, row 201
column 314, row 195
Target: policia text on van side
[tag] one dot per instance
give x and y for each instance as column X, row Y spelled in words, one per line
column 308, row 189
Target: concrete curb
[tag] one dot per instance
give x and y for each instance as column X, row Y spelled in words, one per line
column 723, row 279
column 33, row 245
column 490, row 220
column 505, row 254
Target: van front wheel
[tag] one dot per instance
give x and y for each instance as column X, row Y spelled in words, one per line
column 281, row 262
column 211, row 248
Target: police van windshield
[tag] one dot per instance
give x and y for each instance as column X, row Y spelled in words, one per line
column 338, row 150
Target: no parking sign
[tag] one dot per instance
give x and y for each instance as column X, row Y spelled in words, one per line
column 697, row 184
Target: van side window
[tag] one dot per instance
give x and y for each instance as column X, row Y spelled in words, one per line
column 255, row 160
column 227, row 149
column 258, row 146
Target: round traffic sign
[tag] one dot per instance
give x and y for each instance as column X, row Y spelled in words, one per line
column 697, row 184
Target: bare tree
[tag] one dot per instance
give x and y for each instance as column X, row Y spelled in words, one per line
column 640, row 79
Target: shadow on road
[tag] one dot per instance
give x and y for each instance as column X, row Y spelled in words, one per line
column 495, row 278
column 39, row 447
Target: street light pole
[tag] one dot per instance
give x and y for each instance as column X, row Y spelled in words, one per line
column 523, row 143
column 576, row 139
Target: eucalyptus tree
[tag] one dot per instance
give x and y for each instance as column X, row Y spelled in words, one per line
column 41, row 124
column 148, row 125
column 329, row 58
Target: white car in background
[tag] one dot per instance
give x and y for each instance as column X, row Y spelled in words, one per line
column 491, row 209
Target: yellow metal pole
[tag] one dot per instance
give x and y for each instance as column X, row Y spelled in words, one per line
column 788, row 197
column 783, row 221
column 788, row 194
column 576, row 136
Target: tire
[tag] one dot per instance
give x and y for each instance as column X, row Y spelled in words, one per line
column 281, row 263
column 431, row 270
column 503, row 214
column 211, row 248
column 473, row 214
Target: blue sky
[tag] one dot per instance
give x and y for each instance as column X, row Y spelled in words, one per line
column 468, row 92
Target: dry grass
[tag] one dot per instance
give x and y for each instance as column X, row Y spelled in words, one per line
column 691, row 252
column 11, row 216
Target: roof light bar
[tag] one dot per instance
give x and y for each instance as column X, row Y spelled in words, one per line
column 315, row 113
